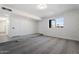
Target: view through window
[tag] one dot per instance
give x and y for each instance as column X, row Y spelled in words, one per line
column 58, row 22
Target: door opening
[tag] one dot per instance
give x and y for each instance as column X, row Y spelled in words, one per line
column 4, row 27
column 4, row 22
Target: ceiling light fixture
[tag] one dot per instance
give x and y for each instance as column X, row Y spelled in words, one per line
column 42, row 6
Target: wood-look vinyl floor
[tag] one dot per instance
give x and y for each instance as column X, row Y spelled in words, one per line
column 40, row 45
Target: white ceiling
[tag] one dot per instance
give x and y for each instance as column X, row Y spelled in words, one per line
column 50, row 10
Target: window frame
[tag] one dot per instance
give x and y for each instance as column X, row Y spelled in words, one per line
column 54, row 19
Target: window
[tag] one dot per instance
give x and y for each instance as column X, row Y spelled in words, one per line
column 60, row 22
column 57, row 23
column 53, row 22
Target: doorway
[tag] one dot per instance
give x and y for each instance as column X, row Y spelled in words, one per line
column 4, row 27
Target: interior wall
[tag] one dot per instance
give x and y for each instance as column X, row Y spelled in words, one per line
column 20, row 25
column 70, row 30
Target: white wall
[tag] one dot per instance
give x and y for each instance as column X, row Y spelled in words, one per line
column 23, row 25
column 70, row 30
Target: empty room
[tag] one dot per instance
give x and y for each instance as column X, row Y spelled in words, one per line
column 39, row 29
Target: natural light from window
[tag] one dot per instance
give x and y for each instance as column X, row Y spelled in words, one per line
column 58, row 22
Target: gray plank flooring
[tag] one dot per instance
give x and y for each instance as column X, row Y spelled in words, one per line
column 40, row 45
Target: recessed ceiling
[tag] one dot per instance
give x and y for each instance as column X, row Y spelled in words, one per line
column 50, row 10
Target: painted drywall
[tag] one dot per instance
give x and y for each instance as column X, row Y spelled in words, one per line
column 20, row 25
column 70, row 30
